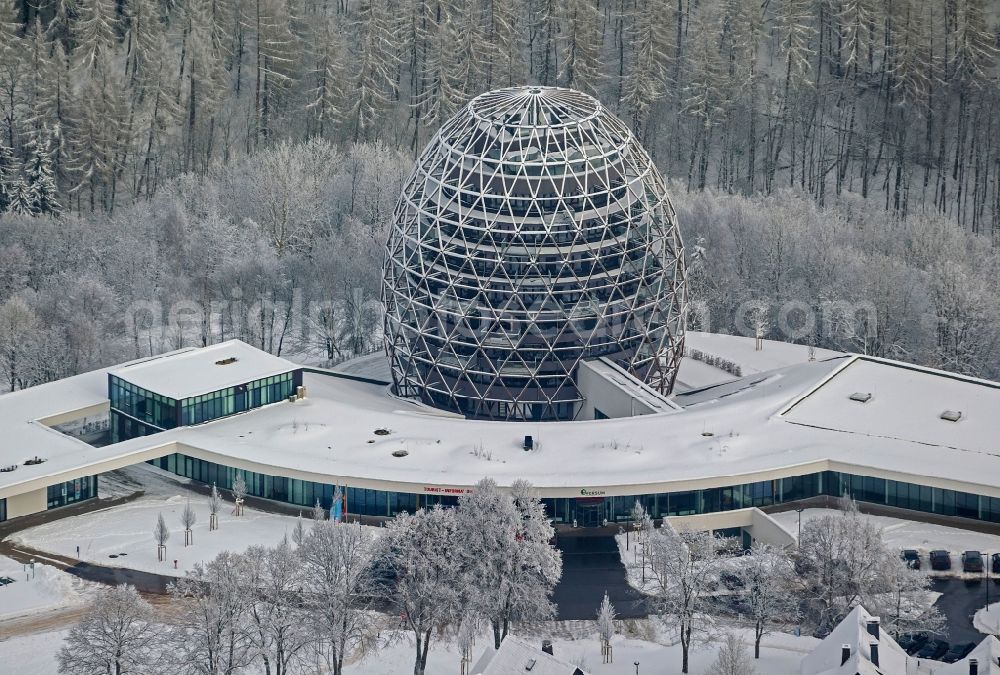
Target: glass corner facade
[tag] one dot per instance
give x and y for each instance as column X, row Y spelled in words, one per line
column 137, row 412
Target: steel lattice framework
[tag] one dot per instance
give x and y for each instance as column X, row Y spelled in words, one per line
column 534, row 233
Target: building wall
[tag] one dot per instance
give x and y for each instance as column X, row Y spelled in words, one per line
column 605, row 396
column 27, row 503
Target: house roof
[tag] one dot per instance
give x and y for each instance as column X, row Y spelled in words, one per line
column 517, row 655
column 853, row 632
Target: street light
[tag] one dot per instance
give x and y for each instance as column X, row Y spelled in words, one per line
column 798, row 539
column 636, row 668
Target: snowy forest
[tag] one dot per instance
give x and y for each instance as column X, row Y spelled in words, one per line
column 177, row 172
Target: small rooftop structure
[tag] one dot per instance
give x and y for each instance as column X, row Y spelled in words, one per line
column 517, row 655
column 192, row 372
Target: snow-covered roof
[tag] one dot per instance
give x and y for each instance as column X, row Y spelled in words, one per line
column 517, row 655
column 790, row 421
column 986, row 654
column 854, row 634
column 193, row 372
column 904, row 402
column 629, row 386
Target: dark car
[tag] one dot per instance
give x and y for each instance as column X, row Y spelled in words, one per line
column 958, row 652
column 996, row 563
column 731, row 581
column 911, row 558
column 934, row 649
column 911, row 642
column 972, row 561
column 940, row 560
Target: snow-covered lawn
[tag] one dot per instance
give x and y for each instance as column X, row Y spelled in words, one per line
column 632, row 557
column 45, row 589
column 902, row 534
column 31, row 654
column 128, row 529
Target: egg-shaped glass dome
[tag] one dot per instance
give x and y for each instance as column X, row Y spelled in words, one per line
column 533, row 234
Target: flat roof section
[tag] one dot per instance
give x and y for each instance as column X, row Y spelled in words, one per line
column 887, row 399
column 197, row 371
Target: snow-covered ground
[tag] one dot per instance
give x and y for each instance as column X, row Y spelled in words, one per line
column 128, row 528
column 44, row 589
column 987, row 620
column 31, row 654
column 902, row 534
column 780, row 653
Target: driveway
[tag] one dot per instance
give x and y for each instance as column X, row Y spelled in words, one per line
column 591, row 566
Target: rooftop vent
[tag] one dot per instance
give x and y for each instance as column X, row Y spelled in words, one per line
column 951, row 415
column 861, row 396
column 226, row 361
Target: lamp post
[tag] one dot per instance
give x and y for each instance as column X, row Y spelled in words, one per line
column 798, row 539
column 636, row 668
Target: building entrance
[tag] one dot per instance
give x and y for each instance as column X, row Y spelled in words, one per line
column 590, row 512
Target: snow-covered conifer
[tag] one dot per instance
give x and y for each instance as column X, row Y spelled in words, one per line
column 39, row 179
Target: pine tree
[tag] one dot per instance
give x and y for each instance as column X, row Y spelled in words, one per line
column 8, row 176
column 581, row 61
column 94, row 33
column 39, row 180
column 643, row 82
column 377, row 60
column 328, row 100
column 20, row 198
column 144, row 43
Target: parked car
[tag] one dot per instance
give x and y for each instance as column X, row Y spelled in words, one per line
column 731, row 581
column 934, row 649
column 940, row 560
column 958, row 652
column 996, row 563
column 912, row 642
column 972, row 561
column 911, row 558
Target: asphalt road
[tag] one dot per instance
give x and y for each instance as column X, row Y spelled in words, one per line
column 959, row 601
column 591, row 566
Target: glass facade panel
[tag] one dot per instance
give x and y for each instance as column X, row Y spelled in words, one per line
column 3, row 510
column 592, row 511
column 72, row 491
